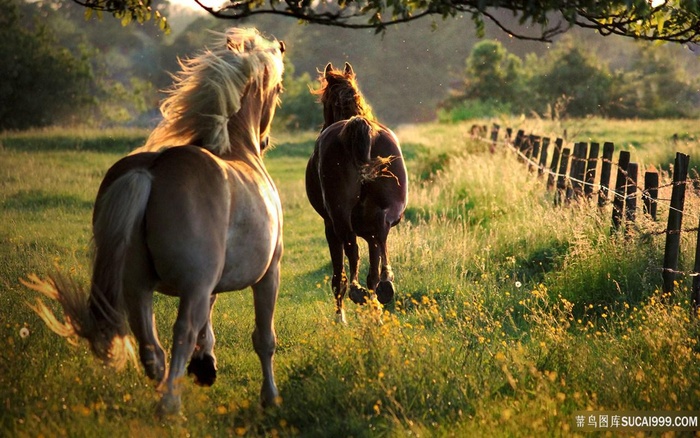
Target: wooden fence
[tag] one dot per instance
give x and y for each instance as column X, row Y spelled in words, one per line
column 572, row 173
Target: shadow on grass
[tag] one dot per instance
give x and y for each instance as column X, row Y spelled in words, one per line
column 39, row 200
column 116, row 144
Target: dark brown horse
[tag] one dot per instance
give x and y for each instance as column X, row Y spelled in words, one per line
column 356, row 180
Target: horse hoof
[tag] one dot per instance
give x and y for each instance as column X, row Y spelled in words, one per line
column 204, row 370
column 270, row 398
column 154, row 372
column 340, row 317
column 358, row 294
column 168, row 406
column 385, row 291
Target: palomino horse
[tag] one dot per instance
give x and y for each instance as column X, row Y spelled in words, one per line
column 191, row 214
column 356, row 180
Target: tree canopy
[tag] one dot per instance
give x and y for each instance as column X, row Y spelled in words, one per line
column 571, row 80
column 665, row 20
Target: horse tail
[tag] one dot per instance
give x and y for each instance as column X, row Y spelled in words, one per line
column 357, row 135
column 101, row 318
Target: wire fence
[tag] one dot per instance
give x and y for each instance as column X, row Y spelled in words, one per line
column 572, row 173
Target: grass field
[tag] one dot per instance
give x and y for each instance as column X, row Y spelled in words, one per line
column 511, row 315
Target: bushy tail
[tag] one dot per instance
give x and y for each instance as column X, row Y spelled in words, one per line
column 356, row 136
column 100, row 317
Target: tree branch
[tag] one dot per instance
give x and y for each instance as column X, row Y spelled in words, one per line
column 673, row 21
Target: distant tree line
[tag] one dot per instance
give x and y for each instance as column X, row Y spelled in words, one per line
column 58, row 69
column 571, row 81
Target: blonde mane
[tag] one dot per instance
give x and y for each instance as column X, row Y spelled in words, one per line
column 208, row 91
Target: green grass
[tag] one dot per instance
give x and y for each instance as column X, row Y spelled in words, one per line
column 511, row 314
column 651, row 143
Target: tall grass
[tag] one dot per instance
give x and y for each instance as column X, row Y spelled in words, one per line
column 511, row 314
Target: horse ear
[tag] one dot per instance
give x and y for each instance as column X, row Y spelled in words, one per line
column 348, row 70
column 283, row 47
column 328, row 70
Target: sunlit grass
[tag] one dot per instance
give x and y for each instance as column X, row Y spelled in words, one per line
column 511, row 314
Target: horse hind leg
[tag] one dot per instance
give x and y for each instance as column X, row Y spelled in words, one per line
column 192, row 316
column 385, row 287
column 142, row 324
column 264, row 337
column 138, row 296
column 203, row 362
column 380, row 281
column 339, row 281
column 357, row 293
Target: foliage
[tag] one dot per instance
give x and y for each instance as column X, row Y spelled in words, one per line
column 42, row 81
column 472, row 110
column 571, row 81
column 299, row 108
column 494, row 77
column 126, row 12
column 404, row 75
column 495, row 326
column 655, row 86
column 493, row 73
column 57, row 69
column 670, row 20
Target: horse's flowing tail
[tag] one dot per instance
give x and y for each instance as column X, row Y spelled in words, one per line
column 357, row 135
column 101, row 317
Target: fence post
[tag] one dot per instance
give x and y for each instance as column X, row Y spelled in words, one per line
column 578, row 168
column 631, row 192
column 620, row 184
column 494, row 137
column 518, row 143
column 675, row 220
column 543, row 156
column 651, row 193
column 554, row 165
column 526, row 146
column 561, row 179
column 608, row 149
column 535, row 144
column 579, row 175
column 591, row 169
column 518, row 138
column 695, row 291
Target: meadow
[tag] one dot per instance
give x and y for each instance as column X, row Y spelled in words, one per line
column 511, row 314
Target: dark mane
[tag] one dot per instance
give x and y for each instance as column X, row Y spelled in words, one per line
column 340, row 93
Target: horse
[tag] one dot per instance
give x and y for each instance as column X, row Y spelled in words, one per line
column 192, row 213
column 356, row 181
